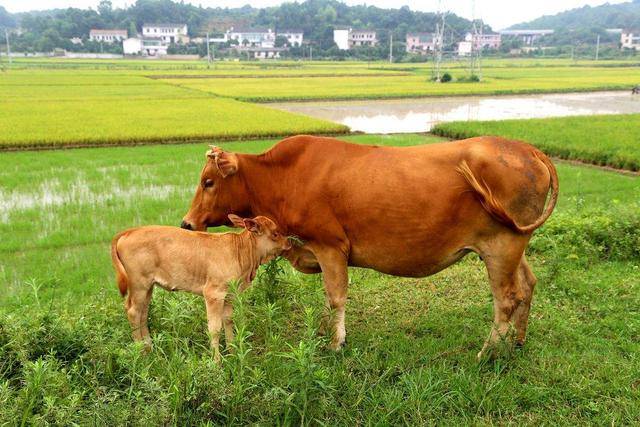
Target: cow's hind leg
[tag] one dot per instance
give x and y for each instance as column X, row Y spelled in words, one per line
column 503, row 265
column 521, row 316
column 137, row 309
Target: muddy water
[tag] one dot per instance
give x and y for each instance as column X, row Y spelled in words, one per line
column 420, row 115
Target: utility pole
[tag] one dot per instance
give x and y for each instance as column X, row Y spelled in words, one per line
column 310, row 52
column 390, row 47
column 597, row 46
column 6, row 35
column 439, row 43
column 208, row 54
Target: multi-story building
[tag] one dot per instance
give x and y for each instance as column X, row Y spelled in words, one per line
column 294, row 37
column 107, row 36
column 168, row 33
column 254, row 37
column 347, row 38
column 630, row 39
column 145, row 46
column 422, row 42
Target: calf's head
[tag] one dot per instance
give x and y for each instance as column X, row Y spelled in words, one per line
column 220, row 191
column 269, row 240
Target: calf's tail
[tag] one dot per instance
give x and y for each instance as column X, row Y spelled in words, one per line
column 121, row 274
column 495, row 206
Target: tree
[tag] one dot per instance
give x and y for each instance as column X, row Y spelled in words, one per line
column 281, row 41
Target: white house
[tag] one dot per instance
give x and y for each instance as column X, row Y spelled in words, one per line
column 464, row 48
column 349, row 38
column 255, row 37
column 168, row 33
column 294, row 37
column 341, row 38
column 144, row 46
column 422, row 42
column 528, row 37
column 630, row 39
column 474, row 42
column 107, row 36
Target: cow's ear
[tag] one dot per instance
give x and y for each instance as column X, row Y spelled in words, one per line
column 236, row 221
column 226, row 163
column 253, row 226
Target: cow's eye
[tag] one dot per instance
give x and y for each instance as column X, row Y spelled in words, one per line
column 276, row 235
column 208, row 183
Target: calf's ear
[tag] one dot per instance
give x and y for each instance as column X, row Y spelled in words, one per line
column 226, row 163
column 253, row 226
column 236, row 221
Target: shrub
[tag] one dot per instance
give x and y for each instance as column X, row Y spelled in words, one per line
column 446, row 77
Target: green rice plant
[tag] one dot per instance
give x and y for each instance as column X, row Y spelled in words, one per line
column 496, row 81
column 608, row 140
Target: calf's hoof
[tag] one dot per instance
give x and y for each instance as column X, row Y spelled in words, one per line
column 337, row 345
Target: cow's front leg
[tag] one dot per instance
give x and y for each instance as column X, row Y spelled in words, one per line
column 335, row 276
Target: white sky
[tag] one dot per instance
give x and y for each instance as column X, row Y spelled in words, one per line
column 497, row 13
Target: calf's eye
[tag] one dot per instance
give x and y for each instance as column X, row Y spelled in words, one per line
column 208, row 183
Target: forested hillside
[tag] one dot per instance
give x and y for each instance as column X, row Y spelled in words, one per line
column 46, row 30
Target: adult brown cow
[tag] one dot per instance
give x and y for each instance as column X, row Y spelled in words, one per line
column 406, row 211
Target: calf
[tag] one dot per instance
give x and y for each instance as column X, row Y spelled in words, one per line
column 201, row 263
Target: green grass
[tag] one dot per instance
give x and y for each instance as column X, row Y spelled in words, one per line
column 499, row 81
column 45, row 103
column 610, row 140
column 66, row 355
column 41, row 110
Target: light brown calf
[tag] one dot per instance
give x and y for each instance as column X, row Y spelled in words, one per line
column 201, row 263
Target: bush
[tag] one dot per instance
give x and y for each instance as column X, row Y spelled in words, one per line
column 473, row 78
column 446, row 77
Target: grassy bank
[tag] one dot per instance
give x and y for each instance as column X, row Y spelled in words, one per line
column 610, row 140
column 66, row 355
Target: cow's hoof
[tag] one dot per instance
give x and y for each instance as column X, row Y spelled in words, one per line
column 519, row 344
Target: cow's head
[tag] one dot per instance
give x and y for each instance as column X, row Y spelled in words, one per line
column 219, row 193
column 269, row 239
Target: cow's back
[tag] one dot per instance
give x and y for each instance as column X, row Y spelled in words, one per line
column 393, row 201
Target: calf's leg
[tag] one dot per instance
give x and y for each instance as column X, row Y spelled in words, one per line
column 214, row 295
column 228, row 323
column 137, row 309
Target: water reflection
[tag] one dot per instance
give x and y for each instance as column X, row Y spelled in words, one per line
column 419, row 115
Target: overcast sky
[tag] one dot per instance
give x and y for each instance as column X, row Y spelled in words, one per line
column 497, row 13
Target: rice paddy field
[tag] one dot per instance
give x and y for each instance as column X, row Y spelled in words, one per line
column 66, row 355
column 63, row 102
column 608, row 140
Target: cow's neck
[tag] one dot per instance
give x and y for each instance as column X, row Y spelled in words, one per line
column 265, row 192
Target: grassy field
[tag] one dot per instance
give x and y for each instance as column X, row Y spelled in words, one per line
column 63, row 108
column 66, row 355
column 610, row 140
column 55, row 102
column 495, row 81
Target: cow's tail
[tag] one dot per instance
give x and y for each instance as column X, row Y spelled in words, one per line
column 496, row 208
column 121, row 274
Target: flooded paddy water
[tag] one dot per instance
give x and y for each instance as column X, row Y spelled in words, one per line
column 420, row 115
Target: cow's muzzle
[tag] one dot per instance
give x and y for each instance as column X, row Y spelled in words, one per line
column 186, row 225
